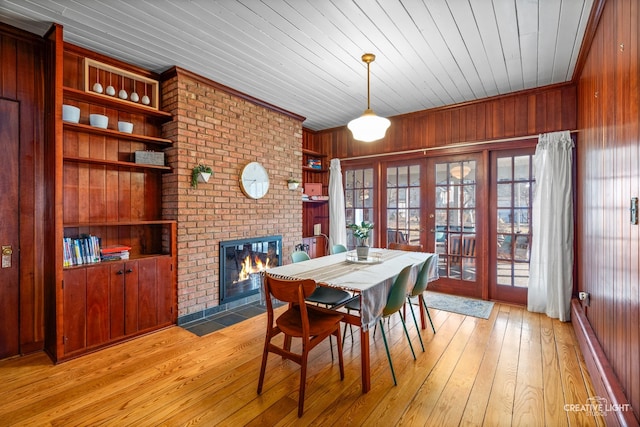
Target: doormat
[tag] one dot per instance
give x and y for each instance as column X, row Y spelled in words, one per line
column 460, row 305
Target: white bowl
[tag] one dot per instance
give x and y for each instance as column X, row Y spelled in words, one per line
column 125, row 127
column 98, row 121
column 70, row 113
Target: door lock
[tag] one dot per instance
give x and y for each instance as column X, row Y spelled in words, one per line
column 7, row 251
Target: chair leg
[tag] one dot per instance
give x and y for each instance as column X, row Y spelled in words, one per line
column 386, row 347
column 415, row 322
column 421, row 298
column 344, row 334
column 404, row 325
column 303, row 381
column 331, row 347
column 340, row 358
column 263, row 366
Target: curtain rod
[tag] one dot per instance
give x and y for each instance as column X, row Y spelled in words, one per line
column 463, row 144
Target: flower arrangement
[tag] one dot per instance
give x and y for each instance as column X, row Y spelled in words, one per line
column 361, row 232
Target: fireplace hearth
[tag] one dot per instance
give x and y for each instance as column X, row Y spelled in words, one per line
column 241, row 262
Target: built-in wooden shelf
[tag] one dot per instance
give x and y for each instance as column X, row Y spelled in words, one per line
column 116, row 223
column 131, row 165
column 115, row 102
column 79, row 127
column 313, row 153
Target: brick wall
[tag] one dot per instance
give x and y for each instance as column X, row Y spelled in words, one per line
column 224, row 131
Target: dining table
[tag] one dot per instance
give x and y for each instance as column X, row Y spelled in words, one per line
column 369, row 279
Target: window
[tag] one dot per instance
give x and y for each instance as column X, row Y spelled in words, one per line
column 358, row 199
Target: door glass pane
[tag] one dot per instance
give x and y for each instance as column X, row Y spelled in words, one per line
column 455, row 219
column 403, row 204
column 514, row 190
column 358, row 197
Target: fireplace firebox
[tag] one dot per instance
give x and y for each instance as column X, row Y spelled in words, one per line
column 241, row 262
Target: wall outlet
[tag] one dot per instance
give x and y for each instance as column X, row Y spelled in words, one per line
column 585, row 298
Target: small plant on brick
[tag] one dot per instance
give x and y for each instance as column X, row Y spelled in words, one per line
column 200, row 173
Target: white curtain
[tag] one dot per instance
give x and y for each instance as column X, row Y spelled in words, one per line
column 337, row 221
column 551, row 266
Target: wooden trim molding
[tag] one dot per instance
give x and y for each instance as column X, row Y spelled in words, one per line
column 174, row 71
column 604, row 380
column 587, row 40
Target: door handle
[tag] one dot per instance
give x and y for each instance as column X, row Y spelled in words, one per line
column 7, row 251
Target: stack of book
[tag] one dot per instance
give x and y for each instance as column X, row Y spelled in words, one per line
column 85, row 250
column 115, row 252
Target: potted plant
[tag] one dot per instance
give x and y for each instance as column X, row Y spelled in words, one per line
column 200, row 173
column 362, row 232
column 293, row 183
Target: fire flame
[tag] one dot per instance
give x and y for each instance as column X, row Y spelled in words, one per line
column 249, row 267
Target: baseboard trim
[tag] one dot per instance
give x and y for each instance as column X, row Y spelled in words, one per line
column 604, row 379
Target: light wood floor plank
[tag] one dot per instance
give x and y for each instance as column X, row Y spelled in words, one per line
column 451, row 404
column 514, row 368
column 528, row 407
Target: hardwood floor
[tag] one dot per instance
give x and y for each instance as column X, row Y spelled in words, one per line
column 516, row 368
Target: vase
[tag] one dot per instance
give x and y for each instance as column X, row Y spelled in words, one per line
column 204, row 177
column 293, row 185
column 362, row 252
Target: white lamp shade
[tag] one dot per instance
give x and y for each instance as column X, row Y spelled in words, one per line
column 369, row 127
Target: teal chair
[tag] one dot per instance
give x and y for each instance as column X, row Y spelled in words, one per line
column 395, row 301
column 418, row 291
column 338, row 249
column 299, row 256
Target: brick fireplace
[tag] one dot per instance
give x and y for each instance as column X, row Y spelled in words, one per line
column 241, row 262
column 226, row 130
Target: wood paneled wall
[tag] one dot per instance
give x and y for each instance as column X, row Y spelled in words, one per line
column 525, row 113
column 22, row 80
column 607, row 162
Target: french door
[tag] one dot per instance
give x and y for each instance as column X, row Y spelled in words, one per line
column 510, row 226
column 456, row 196
column 473, row 210
column 403, row 211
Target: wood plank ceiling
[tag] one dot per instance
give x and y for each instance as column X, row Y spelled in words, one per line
column 304, row 55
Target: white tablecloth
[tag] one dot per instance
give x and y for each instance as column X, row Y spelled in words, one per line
column 372, row 281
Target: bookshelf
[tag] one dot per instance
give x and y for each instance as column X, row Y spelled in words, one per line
column 106, row 194
column 315, row 211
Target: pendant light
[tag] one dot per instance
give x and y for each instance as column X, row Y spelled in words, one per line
column 369, row 127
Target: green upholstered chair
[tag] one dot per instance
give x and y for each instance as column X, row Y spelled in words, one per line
column 418, row 291
column 395, row 301
column 338, row 249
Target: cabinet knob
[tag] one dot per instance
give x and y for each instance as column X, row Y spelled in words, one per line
column 129, row 270
column 120, row 272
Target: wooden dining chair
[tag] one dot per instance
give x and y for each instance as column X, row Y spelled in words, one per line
column 311, row 324
column 395, row 301
column 405, row 247
column 418, row 291
column 329, row 297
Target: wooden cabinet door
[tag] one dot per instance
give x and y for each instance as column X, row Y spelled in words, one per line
column 147, row 294
column 130, row 297
column 311, row 242
column 116, row 303
column 166, row 293
column 98, row 328
column 74, row 310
